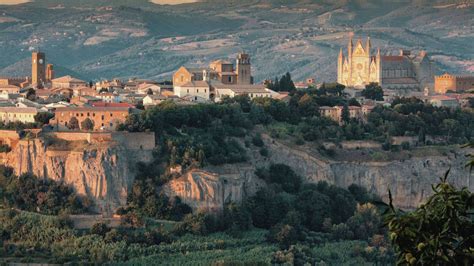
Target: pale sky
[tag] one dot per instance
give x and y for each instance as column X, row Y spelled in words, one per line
column 171, row 2
column 13, row 2
column 161, row 2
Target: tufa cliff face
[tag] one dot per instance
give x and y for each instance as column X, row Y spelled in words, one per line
column 102, row 172
column 409, row 180
column 205, row 191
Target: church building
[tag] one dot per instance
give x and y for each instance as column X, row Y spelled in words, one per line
column 359, row 68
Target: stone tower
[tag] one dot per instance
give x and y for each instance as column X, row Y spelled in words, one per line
column 38, row 69
column 49, row 72
column 243, row 69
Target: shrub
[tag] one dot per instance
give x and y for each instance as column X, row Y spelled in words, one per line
column 257, row 141
column 87, row 124
column 405, row 145
column 264, row 152
column 5, row 148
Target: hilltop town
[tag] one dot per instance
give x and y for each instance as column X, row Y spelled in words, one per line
column 68, row 103
column 136, row 164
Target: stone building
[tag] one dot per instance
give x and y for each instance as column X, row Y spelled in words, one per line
column 220, row 70
column 359, row 68
column 18, row 114
column 104, row 118
column 252, row 91
column 68, row 82
column 448, row 82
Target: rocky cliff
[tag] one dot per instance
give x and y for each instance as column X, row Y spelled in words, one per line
column 205, row 191
column 103, row 172
column 409, row 180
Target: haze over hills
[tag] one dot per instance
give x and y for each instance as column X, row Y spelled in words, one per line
column 123, row 38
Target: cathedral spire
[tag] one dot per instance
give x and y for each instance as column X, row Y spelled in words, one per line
column 368, row 46
column 350, row 46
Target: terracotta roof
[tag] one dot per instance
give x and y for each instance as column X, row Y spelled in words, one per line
column 68, row 79
column 393, row 58
column 104, row 104
column 91, row 108
column 9, row 87
column 196, row 83
column 23, row 110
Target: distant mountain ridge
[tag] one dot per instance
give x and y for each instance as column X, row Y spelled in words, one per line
column 96, row 39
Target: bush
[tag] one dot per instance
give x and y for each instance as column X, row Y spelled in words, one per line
column 4, row 148
column 257, row 141
column 282, row 175
column 264, row 152
column 100, row 229
column 87, row 124
column 405, row 145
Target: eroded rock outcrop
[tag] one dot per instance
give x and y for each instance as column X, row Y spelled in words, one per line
column 103, row 172
column 206, row 191
column 409, row 180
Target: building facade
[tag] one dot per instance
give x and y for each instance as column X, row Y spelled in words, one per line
column 104, row 118
column 219, row 70
column 18, row 114
column 448, row 82
column 359, row 68
column 68, row 82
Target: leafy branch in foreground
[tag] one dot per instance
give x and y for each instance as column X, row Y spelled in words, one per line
column 440, row 232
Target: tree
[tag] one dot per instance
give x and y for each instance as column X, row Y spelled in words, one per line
column 43, row 118
column 440, row 232
column 31, row 94
column 345, row 115
column 373, row 91
column 73, row 123
column 87, row 124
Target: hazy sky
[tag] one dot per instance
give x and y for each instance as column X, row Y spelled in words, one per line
column 169, row 2
column 12, row 2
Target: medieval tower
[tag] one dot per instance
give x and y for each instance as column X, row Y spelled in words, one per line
column 38, row 68
column 243, row 69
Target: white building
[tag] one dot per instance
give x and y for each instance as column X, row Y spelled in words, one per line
column 198, row 89
column 253, row 91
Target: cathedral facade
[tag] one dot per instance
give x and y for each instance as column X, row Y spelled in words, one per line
column 359, row 68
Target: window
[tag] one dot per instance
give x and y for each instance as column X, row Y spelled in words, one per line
column 88, row 114
column 103, row 118
column 188, row 90
column 93, row 114
column 197, row 90
column 111, row 114
column 230, row 79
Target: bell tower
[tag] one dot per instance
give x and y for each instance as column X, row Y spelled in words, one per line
column 244, row 74
column 38, row 69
